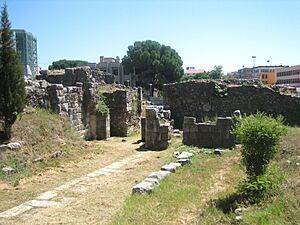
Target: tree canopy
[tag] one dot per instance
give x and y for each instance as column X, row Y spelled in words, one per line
column 216, row 73
column 12, row 85
column 64, row 63
column 153, row 63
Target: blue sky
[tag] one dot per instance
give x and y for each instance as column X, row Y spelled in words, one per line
column 204, row 33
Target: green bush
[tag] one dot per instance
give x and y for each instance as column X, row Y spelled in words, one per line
column 256, row 189
column 101, row 106
column 259, row 135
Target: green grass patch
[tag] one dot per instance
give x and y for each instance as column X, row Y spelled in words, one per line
column 178, row 195
column 41, row 133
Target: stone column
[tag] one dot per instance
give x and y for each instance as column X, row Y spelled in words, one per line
column 103, row 127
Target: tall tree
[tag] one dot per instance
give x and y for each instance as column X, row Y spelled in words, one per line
column 12, row 85
column 153, row 63
column 216, row 73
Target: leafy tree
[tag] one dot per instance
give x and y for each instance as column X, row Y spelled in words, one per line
column 152, row 62
column 12, row 85
column 195, row 77
column 64, row 63
column 216, row 73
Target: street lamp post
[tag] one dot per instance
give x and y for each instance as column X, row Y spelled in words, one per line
column 254, row 57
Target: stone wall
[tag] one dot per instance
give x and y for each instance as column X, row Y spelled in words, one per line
column 77, row 100
column 156, row 128
column 209, row 134
column 67, row 101
column 207, row 99
column 70, row 76
column 124, row 109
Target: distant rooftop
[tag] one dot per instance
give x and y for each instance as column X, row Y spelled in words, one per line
column 194, row 71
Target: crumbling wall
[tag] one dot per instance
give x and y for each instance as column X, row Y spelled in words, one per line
column 67, row 101
column 210, row 134
column 70, row 76
column 124, row 109
column 156, row 128
column 77, row 100
column 36, row 93
column 201, row 99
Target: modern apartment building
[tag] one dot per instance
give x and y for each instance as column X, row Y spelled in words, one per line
column 245, row 73
column 288, row 76
column 26, row 44
column 267, row 74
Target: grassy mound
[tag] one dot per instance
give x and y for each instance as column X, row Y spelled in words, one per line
column 41, row 134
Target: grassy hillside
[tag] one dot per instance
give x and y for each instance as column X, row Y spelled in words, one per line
column 41, row 134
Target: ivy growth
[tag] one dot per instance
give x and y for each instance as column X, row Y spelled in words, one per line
column 221, row 91
column 101, row 107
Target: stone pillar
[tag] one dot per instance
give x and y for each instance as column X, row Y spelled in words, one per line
column 157, row 129
column 102, row 127
column 143, row 129
column 190, row 131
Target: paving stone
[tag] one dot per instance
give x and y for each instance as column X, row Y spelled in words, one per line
column 43, row 204
column 47, row 195
column 175, row 164
column 185, row 155
column 143, row 187
column 168, row 167
column 15, row 211
column 154, row 181
column 108, row 170
column 184, row 162
column 160, row 175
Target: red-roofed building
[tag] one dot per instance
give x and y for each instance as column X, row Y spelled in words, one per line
column 193, row 71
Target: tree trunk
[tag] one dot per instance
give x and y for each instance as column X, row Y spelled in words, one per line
column 7, row 130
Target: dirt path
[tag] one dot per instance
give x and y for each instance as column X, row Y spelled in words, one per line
column 94, row 190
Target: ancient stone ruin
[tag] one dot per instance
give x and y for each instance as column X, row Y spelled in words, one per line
column 210, row 99
column 156, row 128
column 210, row 134
column 73, row 93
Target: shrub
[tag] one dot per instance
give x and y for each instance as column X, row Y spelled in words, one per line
column 259, row 135
column 101, row 106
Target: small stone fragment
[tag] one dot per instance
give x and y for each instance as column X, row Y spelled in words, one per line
column 57, row 154
column 8, row 170
column 238, row 218
column 218, row 151
column 176, row 131
column 39, row 159
column 14, row 146
column 3, row 147
column 177, row 153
